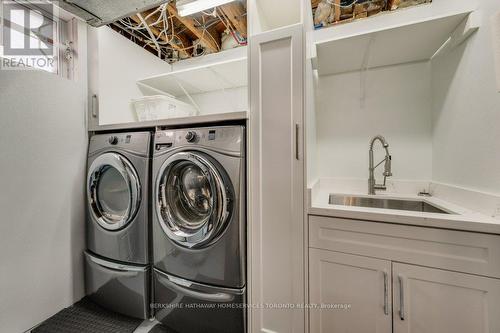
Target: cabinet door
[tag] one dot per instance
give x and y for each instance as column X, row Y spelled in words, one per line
column 362, row 284
column 276, row 175
column 430, row 300
column 112, row 80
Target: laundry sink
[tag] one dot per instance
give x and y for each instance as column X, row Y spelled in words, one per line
column 396, row 204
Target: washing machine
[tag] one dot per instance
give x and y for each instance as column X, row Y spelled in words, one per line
column 117, row 260
column 199, row 229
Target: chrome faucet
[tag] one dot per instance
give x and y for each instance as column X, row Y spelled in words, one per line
column 372, row 185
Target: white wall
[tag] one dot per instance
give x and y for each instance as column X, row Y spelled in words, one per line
column 467, row 112
column 218, row 101
column 397, row 104
column 222, row 101
column 116, row 65
column 267, row 15
column 311, row 133
column 43, row 141
column 309, row 89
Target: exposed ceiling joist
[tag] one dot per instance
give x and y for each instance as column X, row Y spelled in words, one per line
column 236, row 14
column 184, row 41
column 172, row 37
column 203, row 34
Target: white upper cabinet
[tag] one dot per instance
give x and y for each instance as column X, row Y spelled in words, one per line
column 114, row 66
column 396, row 37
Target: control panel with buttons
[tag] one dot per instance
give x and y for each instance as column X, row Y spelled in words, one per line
column 229, row 137
column 132, row 141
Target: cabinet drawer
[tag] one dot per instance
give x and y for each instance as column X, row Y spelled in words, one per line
column 120, row 288
column 180, row 301
column 447, row 249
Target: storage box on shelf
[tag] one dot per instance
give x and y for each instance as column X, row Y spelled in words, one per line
column 161, row 107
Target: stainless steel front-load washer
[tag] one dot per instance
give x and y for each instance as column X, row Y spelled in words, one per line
column 117, row 275
column 199, row 229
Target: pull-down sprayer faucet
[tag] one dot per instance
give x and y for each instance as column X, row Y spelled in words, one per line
column 372, row 185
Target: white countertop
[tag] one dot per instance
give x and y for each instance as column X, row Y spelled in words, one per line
column 461, row 219
column 185, row 121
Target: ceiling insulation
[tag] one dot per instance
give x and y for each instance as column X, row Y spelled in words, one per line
column 328, row 12
column 172, row 37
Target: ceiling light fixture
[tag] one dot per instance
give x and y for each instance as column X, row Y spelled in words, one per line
column 190, row 7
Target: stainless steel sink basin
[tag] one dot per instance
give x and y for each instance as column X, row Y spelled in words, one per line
column 397, row 204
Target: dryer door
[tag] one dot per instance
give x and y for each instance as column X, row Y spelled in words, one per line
column 113, row 191
column 194, row 199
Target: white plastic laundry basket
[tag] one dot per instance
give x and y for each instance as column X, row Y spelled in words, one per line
column 161, row 107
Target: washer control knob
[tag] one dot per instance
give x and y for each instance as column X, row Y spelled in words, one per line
column 113, row 140
column 191, row 136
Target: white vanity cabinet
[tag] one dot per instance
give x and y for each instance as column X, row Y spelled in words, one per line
column 401, row 279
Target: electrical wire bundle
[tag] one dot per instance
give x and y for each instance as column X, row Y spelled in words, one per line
column 157, row 31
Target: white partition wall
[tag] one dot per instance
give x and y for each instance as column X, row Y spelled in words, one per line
column 466, row 116
column 43, row 141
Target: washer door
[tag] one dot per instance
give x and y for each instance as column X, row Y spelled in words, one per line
column 114, row 191
column 193, row 199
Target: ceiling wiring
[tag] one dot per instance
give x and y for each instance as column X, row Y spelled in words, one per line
column 171, row 37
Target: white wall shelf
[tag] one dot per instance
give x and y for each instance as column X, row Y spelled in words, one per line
column 214, row 72
column 403, row 36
